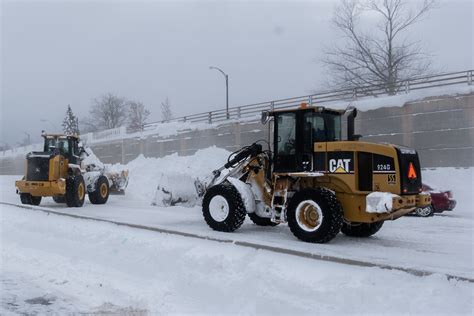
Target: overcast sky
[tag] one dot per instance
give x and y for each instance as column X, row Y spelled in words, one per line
column 57, row 53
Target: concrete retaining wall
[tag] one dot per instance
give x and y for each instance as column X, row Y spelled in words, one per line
column 440, row 128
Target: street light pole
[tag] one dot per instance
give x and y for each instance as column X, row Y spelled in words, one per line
column 226, row 89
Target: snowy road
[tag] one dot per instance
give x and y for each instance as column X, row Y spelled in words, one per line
column 78, row 265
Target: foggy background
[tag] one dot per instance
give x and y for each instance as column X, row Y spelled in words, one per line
column 59, row 53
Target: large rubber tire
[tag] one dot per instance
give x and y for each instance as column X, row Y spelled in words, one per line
column 25, row 198
column 35, row 200
column 361, row 229
column 225, row 201
column 425, row 211
column 75, row 191
column 100, row 195
column 59, row 199
column 261, row 221
column 28, row 199
column 315, row 215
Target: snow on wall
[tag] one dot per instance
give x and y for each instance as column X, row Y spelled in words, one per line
column 174, row 128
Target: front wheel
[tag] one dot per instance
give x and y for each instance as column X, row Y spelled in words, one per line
column 361, row 229
column 315, row 215
column 100, row 195
column 223, row 208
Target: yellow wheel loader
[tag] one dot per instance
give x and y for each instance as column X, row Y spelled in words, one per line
column 313, row 180
column 58, row 172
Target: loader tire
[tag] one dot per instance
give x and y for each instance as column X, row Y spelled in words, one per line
column 426, row 211
column 361, row 229
column 75, row 191
column 101, row 193
column 315, row 215
column 261, row 221
column 59, row 199
column 28, row 199
column 223, row 208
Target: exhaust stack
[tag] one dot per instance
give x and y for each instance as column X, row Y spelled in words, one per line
column 351, row 126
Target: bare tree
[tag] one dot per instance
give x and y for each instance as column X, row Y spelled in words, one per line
column 87, row 125
column 166, row 113
column 109, row 111
column 137, row 115
column 381, row 53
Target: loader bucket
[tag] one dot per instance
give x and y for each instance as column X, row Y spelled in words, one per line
column 176, row 189
column 119, row 181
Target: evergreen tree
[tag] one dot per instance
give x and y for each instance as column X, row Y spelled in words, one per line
column 70, row 123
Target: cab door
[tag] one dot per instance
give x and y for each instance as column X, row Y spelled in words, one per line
column 285, row 142
column 293, row 141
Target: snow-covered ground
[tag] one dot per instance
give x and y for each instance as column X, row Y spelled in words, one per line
column 55, row 264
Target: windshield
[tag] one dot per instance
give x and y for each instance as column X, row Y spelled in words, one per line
column 62, row 144
column 286, row 134
column 322, row 127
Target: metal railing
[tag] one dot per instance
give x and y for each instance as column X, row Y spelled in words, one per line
column 401, row 87
column 253, row 110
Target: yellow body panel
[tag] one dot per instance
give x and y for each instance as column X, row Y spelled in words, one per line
column 42, row 188
column 345, row 184
column 56, row 185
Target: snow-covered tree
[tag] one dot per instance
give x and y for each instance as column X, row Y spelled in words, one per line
column 70, row 123
column 166, row 113
column 137, row 115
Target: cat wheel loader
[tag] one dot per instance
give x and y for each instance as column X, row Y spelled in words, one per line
column 313, row 180
column 58, row 172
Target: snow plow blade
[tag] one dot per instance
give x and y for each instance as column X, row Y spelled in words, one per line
column 118, row 181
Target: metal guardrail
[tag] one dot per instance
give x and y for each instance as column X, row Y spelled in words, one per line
column 401, row 87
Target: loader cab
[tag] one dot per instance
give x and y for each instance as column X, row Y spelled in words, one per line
column 64, row 145
column 296, row 131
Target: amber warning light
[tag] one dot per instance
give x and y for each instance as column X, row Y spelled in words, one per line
column 411, row 172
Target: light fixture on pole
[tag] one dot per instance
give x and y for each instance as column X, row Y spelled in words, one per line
column 226, row 89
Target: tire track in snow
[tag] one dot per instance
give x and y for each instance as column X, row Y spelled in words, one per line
column 297, row 253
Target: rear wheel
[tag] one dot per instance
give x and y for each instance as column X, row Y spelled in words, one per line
column 101, row 193
column 27, row 198
column 223, row 208
column 361, row 229
column 75, row 191
column 261, row 221
column 315, row 215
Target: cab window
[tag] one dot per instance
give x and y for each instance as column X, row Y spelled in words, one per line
column 63, row 146
column 286, row 134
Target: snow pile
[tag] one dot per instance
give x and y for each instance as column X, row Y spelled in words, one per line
column 91, row 159
column 379, row 202
column 165, row 180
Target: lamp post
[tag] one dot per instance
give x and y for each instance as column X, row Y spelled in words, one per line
column 28, row 137
column 226, row 89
